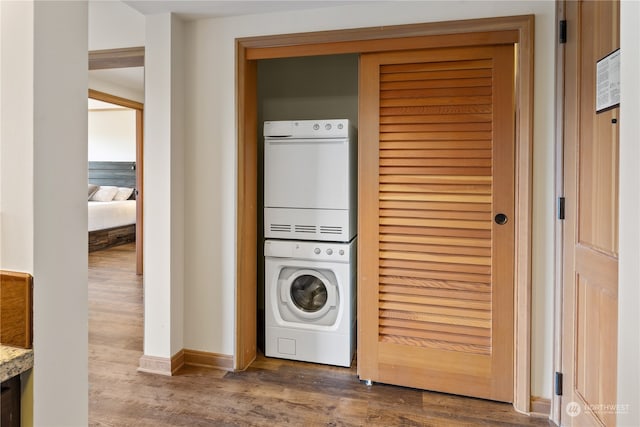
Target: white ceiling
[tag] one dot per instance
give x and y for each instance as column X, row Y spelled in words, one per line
column 130, row 78
column 189, row 9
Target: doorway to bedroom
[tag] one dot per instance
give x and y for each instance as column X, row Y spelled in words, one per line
column 115, row 173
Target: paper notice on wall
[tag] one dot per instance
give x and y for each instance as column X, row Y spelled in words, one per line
column 608, row 82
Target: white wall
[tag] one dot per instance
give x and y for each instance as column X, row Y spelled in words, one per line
column 210, row 156
column 164, row 188
column 113, row 25
column 177, row 185
column 44, row 131
column 112, row 135
column 16, row 152
column 16, row 136
column 629, row 266
column 60, row 156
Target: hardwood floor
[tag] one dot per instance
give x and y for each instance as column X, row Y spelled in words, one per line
column 272, row 392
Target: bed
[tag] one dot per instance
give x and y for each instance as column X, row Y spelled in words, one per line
column 111, row 209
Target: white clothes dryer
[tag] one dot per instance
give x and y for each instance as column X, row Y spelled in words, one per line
column 310, row 301
column 310, row 180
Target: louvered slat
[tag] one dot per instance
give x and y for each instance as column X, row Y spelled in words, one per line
column 436, row 303
column 436, row 83
column 436, row 327
column 405, row 233
column 387, row 285
column 436, row 240
column 438, row 280
column 429, row 179
column 431, row 92
column 454, row 68
column 422, row 333
column 435, row 205
column 452, row 75
column 388, row 260
column 435, row 110
column 436, row 170
column 435, row 127
column 422, row 316
column 440, row 345
column 435, row 154
column 435, row 119
column 459, row 250
column 429, row 197
column 437, row 274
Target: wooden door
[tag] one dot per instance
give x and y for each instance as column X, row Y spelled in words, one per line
column 436, row 165
column 590, row 281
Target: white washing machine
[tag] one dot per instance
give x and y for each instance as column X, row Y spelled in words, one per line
column 310, row 301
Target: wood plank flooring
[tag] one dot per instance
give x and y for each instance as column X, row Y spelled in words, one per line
column 272, row 392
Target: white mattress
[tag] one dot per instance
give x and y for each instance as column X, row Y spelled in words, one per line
column 104, row 215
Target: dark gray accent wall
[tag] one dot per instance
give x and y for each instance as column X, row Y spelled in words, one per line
column 119, row 174
column 315, row 87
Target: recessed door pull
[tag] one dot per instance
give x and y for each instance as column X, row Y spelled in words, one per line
column 501, row 219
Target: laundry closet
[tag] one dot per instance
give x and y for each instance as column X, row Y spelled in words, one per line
column 320, row 94
column 444, row 191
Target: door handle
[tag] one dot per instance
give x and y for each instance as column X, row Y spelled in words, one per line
column 501, row 219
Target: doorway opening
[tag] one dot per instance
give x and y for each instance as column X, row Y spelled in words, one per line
column 117, row 164
column 123, row 69
column 307, row 88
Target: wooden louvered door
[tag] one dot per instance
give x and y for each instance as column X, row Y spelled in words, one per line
column 436, row 165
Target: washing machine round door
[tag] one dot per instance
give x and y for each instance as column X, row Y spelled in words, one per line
column 309, row 294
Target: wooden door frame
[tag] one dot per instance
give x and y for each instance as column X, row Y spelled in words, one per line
column 556, row 401
column 125, row 58
column 139, row 108
column 512, row 29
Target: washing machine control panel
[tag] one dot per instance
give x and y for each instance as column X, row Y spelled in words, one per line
column 319, row 251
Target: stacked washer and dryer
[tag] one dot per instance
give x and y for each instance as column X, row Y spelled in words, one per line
column 310, row 203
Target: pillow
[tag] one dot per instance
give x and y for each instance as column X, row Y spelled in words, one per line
column 92, row 190
column 123, row 193
column 105, row 194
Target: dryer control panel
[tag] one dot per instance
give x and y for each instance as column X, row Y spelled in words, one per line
column 332, row 128
column 318, row 251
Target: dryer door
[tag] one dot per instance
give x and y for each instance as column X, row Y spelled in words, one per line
column 308, row 296
column 293, row 166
